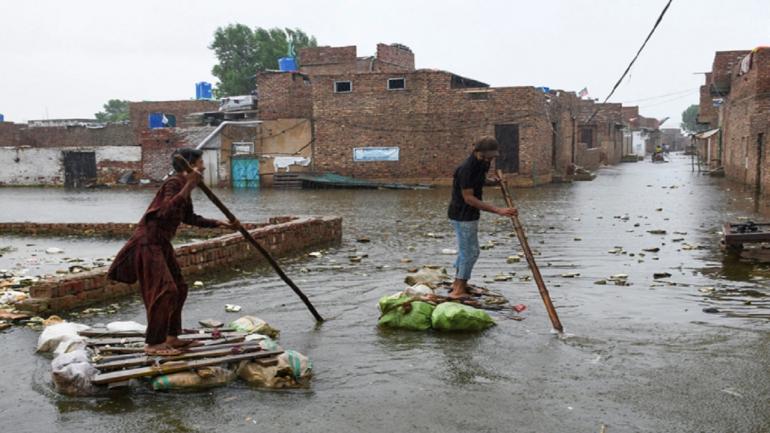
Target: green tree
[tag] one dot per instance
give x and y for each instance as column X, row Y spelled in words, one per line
column 241, row 52
column 115, row 110
column 690, row 123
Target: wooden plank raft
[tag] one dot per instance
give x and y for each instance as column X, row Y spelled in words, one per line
column 109, row 341
column 141, row 360
column 105, row 333
column 132, row 352
column 177, row 366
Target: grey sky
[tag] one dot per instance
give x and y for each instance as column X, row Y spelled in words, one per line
column 63, row 59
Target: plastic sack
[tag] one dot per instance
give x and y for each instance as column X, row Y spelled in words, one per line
column 265, row 343
column 402, row 311
column 54, row 334
column 428, row 276
column 451, row 316
column 69, row 344
column 251, row 325
column 128, row 326
column 201, row 378
column 294, row 370
column 419, row 290
column 12, row 297
column 72, row 374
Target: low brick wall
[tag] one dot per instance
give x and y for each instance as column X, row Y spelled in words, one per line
column 284, row 237
column 116, row 230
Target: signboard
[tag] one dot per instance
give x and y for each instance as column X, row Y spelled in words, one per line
column 362, row 154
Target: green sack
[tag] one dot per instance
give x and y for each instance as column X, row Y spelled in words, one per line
column 451, row 316
column 401, row 311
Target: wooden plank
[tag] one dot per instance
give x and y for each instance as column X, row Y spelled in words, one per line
column 139, row 351
column 176, row 366
column 105, row 333
column 127, row 340
column 10, row 315
column 154, row 359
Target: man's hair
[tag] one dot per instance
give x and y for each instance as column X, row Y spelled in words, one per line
column 485, row 144
column 191, row 155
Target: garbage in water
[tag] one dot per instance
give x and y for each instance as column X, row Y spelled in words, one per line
column 211, row 323
column 198, row 284
column 54, row 250
column 658, row 275
column 451, row 316
column 513, row 259
column 232, row 308
column 251, row 325
column 449, row 251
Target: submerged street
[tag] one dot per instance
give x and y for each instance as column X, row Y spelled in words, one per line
column 644, row 356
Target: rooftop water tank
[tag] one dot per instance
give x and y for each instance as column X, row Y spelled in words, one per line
column 203, row 90
column 287, row 64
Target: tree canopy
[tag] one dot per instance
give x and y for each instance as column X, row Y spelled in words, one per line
column 241, row 52
column 690, row 120
column 115, row 110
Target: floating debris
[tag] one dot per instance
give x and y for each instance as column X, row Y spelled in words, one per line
column 54, row 250
column 651, row 250
column 434, row 235
column 198, row 284
column 656, row 232
column 570, row 274
column 658, row 275
column 232, row 308
column 315, row 254
column 601, row 282
column 503, row 277
column 449, row 251
column 513, row 259
column 363, row 240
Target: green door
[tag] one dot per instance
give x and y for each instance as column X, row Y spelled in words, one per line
column 245, row 172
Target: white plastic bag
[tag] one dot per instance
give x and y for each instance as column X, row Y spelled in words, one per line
column 266, row 343
column 54, row 334
column 419, row 290
column 128, row 326
column 69, row 344
column 72, row 373
column 11, row 297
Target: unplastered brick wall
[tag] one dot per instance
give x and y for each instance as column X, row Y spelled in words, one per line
column 563, row 112
column 746, row 123
column 284, row 95
column 77, row 136
column 327, row 60
column 139, row 112
column 9, row 133
column 122, row 230
column 157, row 147
column 394, row 57
column 433, row 125
column 281, row 239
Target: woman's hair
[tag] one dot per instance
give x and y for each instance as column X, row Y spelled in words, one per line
column 191, row 155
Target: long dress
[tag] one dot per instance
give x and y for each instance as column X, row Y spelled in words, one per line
column 148, row 257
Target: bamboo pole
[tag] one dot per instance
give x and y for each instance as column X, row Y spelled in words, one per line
column 530, row 257
column 218, row 203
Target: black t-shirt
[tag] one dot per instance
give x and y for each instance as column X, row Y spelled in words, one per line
column 472, row 173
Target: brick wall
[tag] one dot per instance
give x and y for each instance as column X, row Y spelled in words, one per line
column 284, row 95
column 433, row 125
column 394, row 57
column 9, row 133
column 110, row 230
column 563, row 112
column 139, row 112
column 281, row 239
column 157, row 147
column 721, row 70
column 327, row 60
column 746, row 123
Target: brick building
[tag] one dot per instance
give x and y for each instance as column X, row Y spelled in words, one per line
column 745, row 121
column 341, row 60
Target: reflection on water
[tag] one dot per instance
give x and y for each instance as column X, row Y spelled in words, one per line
column 634, row 357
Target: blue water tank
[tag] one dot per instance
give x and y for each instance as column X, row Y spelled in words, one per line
column 156, row 120
column 287, row 64
column 203, row 90
column 2, row 118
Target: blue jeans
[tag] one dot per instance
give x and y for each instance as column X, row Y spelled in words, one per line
column 467, row 247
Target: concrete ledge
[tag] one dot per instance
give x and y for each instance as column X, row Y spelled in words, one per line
column 284, row 236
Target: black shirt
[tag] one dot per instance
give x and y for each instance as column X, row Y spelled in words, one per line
column 472, row 173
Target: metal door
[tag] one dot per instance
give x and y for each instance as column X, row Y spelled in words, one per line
column 245, row 172
column 79, row 168
column 508, row 137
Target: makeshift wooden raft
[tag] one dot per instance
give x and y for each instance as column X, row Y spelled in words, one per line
column 120, row 356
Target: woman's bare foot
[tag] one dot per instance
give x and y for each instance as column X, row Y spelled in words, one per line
column 459, row 290
column 161, row 350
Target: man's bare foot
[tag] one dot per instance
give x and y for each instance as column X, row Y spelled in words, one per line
column 161, row 350
column 459, row 289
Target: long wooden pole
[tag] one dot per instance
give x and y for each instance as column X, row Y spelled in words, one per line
column 530, row 258
column 218, row 203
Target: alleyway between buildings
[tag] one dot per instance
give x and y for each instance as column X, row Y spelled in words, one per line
column 686, row 352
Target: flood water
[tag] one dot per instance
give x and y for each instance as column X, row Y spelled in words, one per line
column 637, row 358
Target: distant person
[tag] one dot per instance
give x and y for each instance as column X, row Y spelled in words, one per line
column 465, row 206
column 148, row 256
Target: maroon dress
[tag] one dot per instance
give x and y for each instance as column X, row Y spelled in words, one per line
column 148, row 257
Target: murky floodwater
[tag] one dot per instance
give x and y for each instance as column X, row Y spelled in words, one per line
column 641, row 357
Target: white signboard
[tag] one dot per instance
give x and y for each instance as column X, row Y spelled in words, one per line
column 375, row 154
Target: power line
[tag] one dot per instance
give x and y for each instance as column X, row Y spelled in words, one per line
column 628, row 68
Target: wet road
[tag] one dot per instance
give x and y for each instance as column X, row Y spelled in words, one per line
column 640, row 357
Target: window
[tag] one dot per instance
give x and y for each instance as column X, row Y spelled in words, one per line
column 396, row 83
column 343, row 86
column 587, row 136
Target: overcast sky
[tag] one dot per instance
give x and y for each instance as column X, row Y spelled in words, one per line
column 64, row 59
